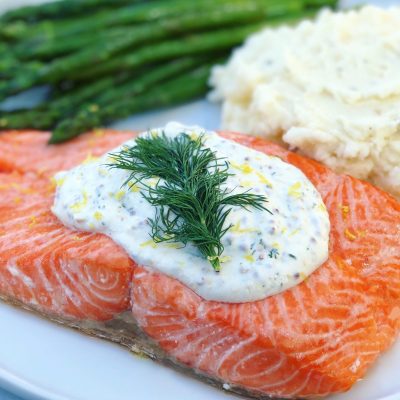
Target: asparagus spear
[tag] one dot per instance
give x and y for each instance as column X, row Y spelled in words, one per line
column 184, row 88
column 102, row 92
column 53, row 48
column 321, row 3
column 193, row 44
column 117, row 39
column 136, row 13
column 197, row 44
column 59, row 9
column 218, row 17
column 33, row 120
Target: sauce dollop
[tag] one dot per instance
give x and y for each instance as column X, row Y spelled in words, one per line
column 264, row 253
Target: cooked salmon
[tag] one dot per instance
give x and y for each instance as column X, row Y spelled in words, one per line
column 316, row 338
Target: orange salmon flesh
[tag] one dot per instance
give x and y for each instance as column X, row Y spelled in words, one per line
column 314, row 339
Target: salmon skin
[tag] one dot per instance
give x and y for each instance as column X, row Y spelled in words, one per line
column 314, row 339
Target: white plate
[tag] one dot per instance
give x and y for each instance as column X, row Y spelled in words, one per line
column 40, row 360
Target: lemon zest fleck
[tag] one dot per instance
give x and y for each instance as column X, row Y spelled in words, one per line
column 119, row 195
column 345, row 211
column 57, row 182
column 350, row 235
column 295, row 232
column 354, row 234
column 134, row 188
column 245, row 168
column 249, row 258
column 322, row 207
column 150, row 243
column 80, row 205
column 224, row 259
column 33, row 220
column 173, row 245
column 263, row 179
column 294, row 190
column 276, row 245
column 237, row 229
column 98, row 216
column 342, row 264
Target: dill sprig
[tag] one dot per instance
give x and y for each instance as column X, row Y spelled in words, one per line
column 191, row 203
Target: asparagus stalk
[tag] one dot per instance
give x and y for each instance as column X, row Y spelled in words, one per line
column 59, row 9
column 219, row 17
column 200, row 43
column 46, row 116
column 194, row 44
column 70, row 66
column 135, row 13
column 321, row 3
column 160, row 73
column 52, row 48
column 118, row 39
column 33, row 120
column 184, row 88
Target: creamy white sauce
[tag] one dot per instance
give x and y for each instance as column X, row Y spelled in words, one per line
column 264, row 253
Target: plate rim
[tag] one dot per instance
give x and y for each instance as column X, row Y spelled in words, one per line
column 20, row 386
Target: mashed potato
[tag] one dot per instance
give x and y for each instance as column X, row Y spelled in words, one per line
column 330, row 88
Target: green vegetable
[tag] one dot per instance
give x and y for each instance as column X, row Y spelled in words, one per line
column 201, row 43
column 59, row 9
column 191, row 203
column 187, row 87
column 118, row 39
column 133, row 14
column 102, row 92
column 74, row 67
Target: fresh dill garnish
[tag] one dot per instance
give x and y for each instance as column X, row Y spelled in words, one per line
column 191, row 203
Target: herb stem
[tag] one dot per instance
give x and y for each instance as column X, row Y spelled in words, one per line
column 191, row 202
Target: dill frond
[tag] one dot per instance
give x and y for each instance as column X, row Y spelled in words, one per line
column 191, row 203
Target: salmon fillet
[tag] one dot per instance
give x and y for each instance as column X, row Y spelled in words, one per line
column 316, row 338
column 28, row 151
